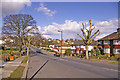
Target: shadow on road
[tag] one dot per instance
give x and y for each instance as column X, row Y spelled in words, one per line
column 39, row 69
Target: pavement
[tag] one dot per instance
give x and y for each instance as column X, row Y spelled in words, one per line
column 46, row 66
column 10, row 66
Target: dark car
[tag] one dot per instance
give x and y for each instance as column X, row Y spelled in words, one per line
column 38, row 50
column 84, row 53
column 7, row 48
column 57, row 54
column 48, row 49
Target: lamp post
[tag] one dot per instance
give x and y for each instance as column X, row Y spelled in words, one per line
column 61, row 41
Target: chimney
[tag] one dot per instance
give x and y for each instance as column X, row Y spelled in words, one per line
column 118, row 31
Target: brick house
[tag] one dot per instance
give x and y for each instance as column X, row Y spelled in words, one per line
column 111, row 44
column 78, row 46
column 64, row 47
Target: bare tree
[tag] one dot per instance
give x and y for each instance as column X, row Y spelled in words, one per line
column 18, row 25
column 37, row 39
column 27, row 42
column 88, row 37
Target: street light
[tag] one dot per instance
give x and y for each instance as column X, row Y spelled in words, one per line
column 61, row 40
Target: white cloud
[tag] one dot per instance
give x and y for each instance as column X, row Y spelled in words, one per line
column 107, row 26
column 39, row 29
column 101, row 36
column 47, row 36
column 34, row 30
column 46, row 10
column 13, row 6
column 71, row 28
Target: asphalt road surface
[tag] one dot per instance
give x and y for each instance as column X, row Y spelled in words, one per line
column 46, row 66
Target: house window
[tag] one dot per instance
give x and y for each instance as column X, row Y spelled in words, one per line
column 116, row 51
column 100, row 42
column 116, row 42
column 106, row 50
column 106, row 42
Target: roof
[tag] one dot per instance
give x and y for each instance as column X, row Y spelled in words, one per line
column 80, row 42
column 54, row 43
column 110, row 37
column 10, row 37
column 63, row 44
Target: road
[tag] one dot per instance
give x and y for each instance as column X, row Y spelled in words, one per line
column 46, row 66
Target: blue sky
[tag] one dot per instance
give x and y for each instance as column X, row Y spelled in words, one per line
column 68, row 16
column 78, row 11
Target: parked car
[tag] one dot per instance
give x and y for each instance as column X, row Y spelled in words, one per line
column 57, row 54
column 48, row 49
column 38, row 50
column 84, row 53
column 7, row 48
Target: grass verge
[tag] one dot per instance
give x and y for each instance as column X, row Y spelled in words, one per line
column 25, row 60
column 18, row 72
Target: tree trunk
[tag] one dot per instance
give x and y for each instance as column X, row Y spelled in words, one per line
column 20, row 45
column 20, row 49
column 87, row 57
column 27, row 51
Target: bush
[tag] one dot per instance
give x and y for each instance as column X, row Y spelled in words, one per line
column 68, row 52
column 15, row 56
column 92, row 53
column 113, row 58
column 45, row 49
column 15, row 49
column 5, row 56
column 98, row 52
column 12, row 51
column 102, row 56
column 6, row 52
column 16, row 53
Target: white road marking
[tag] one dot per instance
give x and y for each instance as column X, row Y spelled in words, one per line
column 61, row 59
column 111, row 69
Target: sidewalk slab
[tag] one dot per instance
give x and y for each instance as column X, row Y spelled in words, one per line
column 9, row 67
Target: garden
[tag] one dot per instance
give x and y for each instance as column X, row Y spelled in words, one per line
column 9, row 54
column 94, row 54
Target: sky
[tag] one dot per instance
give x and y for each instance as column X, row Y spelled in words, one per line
column 67, row 16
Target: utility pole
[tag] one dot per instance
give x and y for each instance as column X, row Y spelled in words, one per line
column 61, row 41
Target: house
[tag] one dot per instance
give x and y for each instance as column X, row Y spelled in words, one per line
column 64, row 47
column 78, row 46
column 8, row 41
column 52, row 45
column 111, row 44
column 1, row 42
